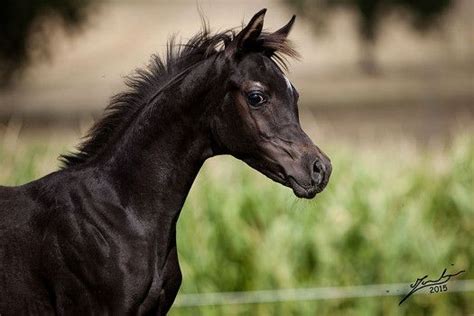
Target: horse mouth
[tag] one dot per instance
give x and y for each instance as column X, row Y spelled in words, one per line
column 299, row 190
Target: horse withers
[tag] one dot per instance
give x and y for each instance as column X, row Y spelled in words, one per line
column 99, row 235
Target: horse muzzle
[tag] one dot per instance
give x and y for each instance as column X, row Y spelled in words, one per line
column 309, row 175
column 305, row 168
column 307, row 183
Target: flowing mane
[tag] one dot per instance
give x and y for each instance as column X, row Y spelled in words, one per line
column 145, row 84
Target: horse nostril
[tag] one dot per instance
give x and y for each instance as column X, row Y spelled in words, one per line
column 316, row 167
column 318, row 173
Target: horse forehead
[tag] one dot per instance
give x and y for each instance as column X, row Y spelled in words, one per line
column 265, row 70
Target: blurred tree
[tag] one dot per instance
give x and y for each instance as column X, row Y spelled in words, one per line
column 424, row 14
column 23, row 20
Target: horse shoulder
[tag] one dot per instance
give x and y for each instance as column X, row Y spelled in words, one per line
column 93, row 245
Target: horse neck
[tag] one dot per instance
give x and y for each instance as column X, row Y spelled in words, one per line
column 155, row 162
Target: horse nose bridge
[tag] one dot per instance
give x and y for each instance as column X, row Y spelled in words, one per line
column 293, row 140
column 308, row 149
column 298, row 136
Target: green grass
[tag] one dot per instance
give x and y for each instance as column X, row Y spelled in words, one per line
column 388, row 216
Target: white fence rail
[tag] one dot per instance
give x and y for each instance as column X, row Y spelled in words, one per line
column 310, row 294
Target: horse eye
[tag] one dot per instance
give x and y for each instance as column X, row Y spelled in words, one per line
column 256, row 98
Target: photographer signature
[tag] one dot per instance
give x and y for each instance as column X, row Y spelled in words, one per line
column 421, row 283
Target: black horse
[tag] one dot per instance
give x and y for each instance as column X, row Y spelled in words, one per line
column 99, row 236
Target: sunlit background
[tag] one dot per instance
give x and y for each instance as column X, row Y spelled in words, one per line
column 387, row 90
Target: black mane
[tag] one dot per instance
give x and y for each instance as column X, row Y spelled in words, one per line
column 146, row 83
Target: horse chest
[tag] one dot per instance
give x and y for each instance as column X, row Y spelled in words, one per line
column 164, row 287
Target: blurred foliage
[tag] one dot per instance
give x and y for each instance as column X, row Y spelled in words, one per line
column 424, row 13
column 387, row 216
column 23, row 20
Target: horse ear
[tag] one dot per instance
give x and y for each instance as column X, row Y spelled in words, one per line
column 280, row 36
column 248, row 35
column 285, row 30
